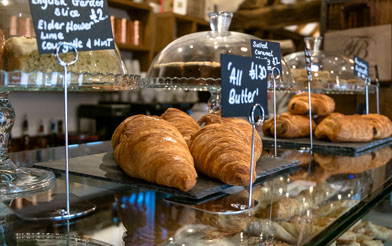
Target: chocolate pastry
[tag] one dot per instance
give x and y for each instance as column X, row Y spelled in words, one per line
column 345, row 128
column 382, row 125
column 288, row 126
column 321, row 104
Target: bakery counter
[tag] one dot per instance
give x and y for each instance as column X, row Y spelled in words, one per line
column 319, row 203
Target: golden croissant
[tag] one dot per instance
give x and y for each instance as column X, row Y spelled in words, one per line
column 184, row 123
column 222, row 150
column 149, row 148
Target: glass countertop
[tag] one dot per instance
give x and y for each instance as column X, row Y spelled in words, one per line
column 312, row 205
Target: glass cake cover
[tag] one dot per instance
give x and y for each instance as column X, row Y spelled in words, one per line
column 19, row 57
column 193, row 61
column 332, row 73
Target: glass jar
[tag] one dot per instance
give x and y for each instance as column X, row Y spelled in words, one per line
column 19, row 52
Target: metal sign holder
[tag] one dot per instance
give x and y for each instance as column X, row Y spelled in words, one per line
column 80, row 207
column 275, row 114
column 309, row 73
column 367, row 82
column 253, row 121
column 377, row 90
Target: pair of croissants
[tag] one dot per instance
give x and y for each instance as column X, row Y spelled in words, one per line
column 334, row 126
column 169, row 150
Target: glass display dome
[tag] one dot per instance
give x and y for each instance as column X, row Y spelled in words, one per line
column 193, row 61
column 331, row 72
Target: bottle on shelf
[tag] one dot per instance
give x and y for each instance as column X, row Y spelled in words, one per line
column 25, row 133
column 52, row 139
column 41, row 139
column 60, row 133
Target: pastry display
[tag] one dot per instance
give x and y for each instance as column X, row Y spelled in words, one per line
column 21, row 53
column 353, row 128
column 321, row 104
column 193, row 69
column 382, row 125
column 344, row 128
column 153, row 149
column 184, row 123
column 223, row 151
column 281, row 209
column 288, row 126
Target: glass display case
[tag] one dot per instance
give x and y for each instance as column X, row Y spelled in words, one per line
column 319, row 203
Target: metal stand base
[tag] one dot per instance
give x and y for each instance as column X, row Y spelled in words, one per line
column 54, row 209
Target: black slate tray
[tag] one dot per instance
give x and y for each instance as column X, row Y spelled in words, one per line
column 325, row 146
column 102, row 166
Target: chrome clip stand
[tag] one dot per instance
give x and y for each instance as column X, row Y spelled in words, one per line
column 274, row 94
column 367, row 82
column 254, row 122
column 83, row 207
column 65, row 81
column 377, row 89
column 309, row 73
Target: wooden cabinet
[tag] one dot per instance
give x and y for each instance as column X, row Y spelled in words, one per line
column 143, row 13
column 171, row 26
column 157, row 30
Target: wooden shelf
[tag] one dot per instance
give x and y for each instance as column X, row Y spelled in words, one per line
column 158, row 30
column 128, row 4
column 184, row 18
column 131, row 47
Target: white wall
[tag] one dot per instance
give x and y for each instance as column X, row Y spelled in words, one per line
column 47, row 106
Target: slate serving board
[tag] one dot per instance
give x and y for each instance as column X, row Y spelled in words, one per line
column 103, row 166
column 325, row 146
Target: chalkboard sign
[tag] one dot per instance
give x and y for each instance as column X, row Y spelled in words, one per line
column 361, row 68
column 269, row 51
column 244, row 83
column 84, row 23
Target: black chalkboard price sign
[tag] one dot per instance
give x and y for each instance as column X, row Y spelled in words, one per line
column 84, row 23
column 269, row 51
column 361, row 68
column 244, row 83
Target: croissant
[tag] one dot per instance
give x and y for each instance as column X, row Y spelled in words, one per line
column 243, row 125
column 223, row 151
column 321, row 104
column 288, row 126
column 382, row 125
column 184, row 123
column 152, row 149
column 345, row 128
